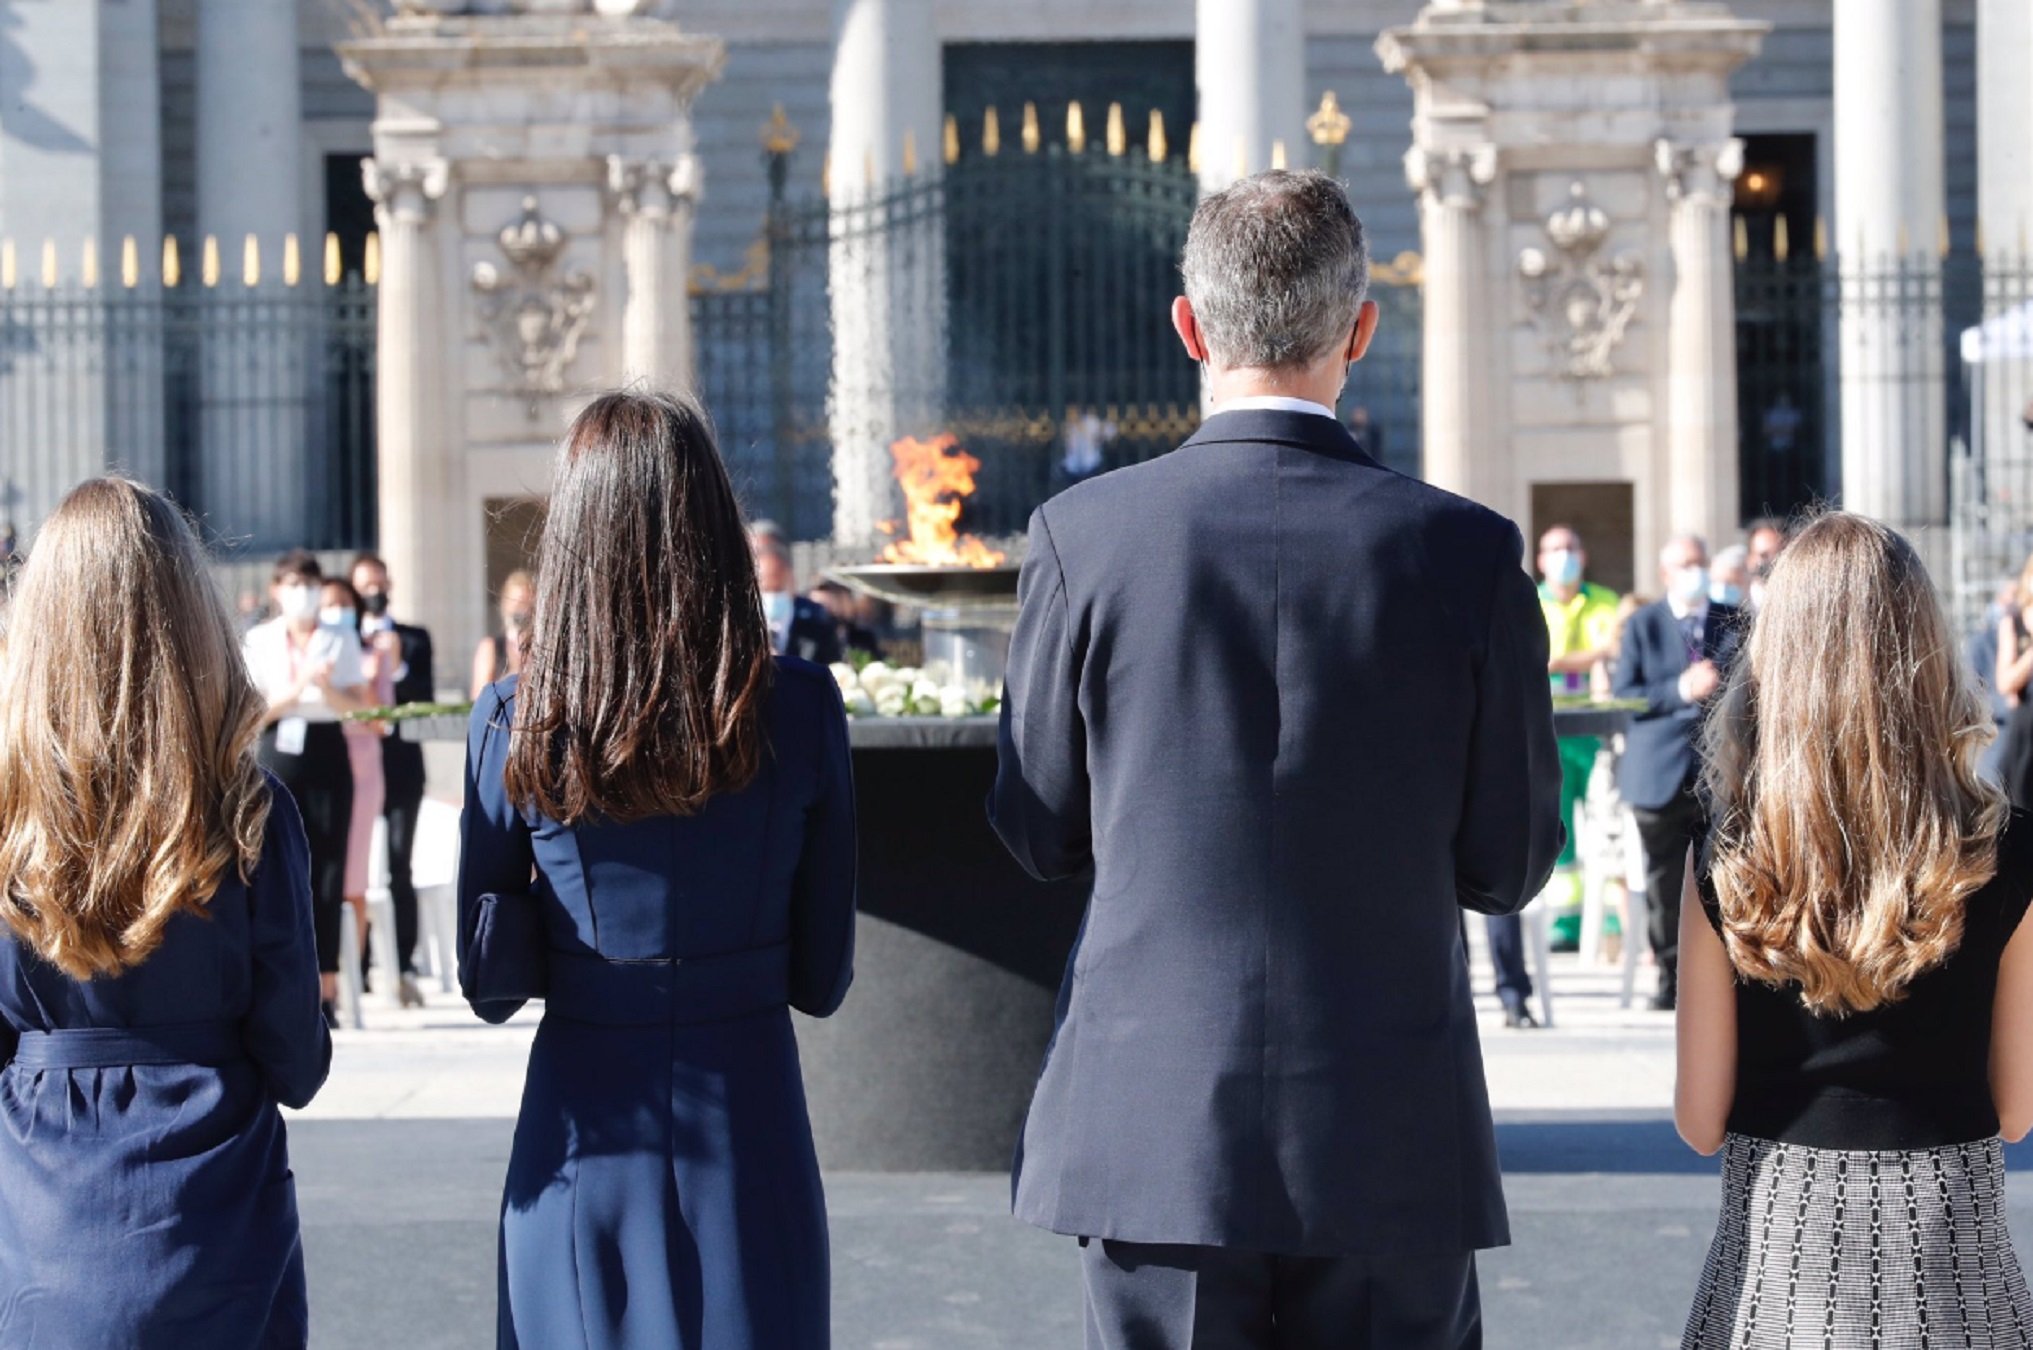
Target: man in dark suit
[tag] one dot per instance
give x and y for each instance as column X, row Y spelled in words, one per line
column 1292, row 709
column 1674, row 655
column 798, row 626
column 402, row 760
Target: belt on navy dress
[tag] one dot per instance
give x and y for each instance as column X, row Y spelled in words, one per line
column 210, row 1043
column 675, row 990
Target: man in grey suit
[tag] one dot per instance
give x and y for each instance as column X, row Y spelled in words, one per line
column 1292, row 709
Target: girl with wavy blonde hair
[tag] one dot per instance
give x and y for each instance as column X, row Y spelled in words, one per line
column 1856, row 1010
column 156, row 956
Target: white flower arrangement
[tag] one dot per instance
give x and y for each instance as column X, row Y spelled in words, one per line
column 882, row 690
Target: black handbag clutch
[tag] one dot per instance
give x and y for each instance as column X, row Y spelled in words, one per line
column 506, row 956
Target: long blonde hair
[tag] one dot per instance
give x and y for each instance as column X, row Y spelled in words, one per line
column 128, row 784
column 1850, row 825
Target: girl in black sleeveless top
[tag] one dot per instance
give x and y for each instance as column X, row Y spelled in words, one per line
column 1854, row 1005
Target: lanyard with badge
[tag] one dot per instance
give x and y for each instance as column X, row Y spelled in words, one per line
column 291, row 732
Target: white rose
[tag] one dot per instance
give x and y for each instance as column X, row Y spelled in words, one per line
column 890, row 702
column 954, row 703
column 908, row 675
column 874, row 673
column 844, row 676
column 859, row 704
column 926, row 691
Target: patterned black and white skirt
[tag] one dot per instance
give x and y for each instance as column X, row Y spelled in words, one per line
column 1861, row 1251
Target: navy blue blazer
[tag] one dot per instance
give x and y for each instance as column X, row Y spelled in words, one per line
column 1660, row 752
column 663, row 1177
column 1292, row 708
column 145, row 1191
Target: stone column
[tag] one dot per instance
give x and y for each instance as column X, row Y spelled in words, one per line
column 1451, row 184
column 2005, row 130
column 1701, row 385
column 419, row 473
column 253, row 416
column 1889, row 203
column 887, row 91
column 1250, row 65
column 886, row 279
column 655, row 200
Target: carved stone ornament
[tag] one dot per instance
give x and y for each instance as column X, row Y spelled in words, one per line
column 1581, row 302
column 534, row 314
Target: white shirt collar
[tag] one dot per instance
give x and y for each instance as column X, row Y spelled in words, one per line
column 1275, row 403
column 1697, row 610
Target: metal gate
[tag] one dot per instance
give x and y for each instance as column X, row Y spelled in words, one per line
column 1054, row 357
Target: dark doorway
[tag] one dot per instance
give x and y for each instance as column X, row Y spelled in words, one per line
column 349, row 213
column 1784, row 423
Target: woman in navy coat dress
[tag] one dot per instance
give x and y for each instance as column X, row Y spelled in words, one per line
column 158, row 976
column 659, row 843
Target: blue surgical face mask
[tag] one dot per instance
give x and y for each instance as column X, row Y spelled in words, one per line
column 1563, row 567
column 778, row 607
column 337, row 616
column 1726, row 593
column 1689, row 584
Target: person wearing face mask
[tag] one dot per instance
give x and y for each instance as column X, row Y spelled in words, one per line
column 1729, row 577
column 1673, row 659
column 402, row 759
column 1581, row 623
column 310, row 673
column 502, row 654
column 797, row 626
column 340, row 608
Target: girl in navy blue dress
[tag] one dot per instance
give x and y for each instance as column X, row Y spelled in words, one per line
column 158, row 976
column 659, row 843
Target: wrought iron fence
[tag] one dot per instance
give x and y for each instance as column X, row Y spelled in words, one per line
column 1991, row 416
column 252, row 406
column 1023, row 303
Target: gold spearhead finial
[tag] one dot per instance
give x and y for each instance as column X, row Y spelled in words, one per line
column 335, row 261
column 779, row 137
column 952, row 137
column 1118, row 136
column 1158, row 148
column 1076, row 128
column 88, row 264
column 1032, row 138
column 1193, row 148
column 250, row 262
column 1328, row 125
column 172, row 263
column 370, row 260
column 130, row 263
column 991, row 133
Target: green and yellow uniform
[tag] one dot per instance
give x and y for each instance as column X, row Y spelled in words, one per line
column 1585, row 622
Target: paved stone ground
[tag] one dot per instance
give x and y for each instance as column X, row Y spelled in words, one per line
column 399, row 1167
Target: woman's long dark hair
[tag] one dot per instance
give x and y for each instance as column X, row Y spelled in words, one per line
column 649, row 659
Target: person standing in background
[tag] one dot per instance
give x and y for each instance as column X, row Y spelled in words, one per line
column 2014, row 675
column 501, row 655
column 1581, row 628
column 158, row 975
column 797, row 626
column 402, row 760
column 341, row 609
column 1729, row 577
column 1763, row 543
column 310, row 673
column 1673, row 659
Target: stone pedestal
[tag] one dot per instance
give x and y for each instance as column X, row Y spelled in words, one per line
column 533, row 174
column 1573, row 165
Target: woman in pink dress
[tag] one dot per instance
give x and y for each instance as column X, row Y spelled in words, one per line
column 341, row 607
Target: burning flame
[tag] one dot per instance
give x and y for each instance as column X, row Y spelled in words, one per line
column 937, row 477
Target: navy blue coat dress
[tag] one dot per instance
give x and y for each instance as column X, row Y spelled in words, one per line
column 145, row 1191
column 663, row 1189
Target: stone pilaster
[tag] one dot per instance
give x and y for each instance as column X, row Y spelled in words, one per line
column 656, row 201
column 419, row 473
column 1451, row 184
column 1701, row 386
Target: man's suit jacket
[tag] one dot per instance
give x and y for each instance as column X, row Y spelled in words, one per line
column 813, row 635
column 402, row 760
column 1660, row 751
column 1292, row 708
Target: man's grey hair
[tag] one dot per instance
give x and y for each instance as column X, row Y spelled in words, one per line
column 770, row 535
column 1276, row 269
column 1676, row 543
